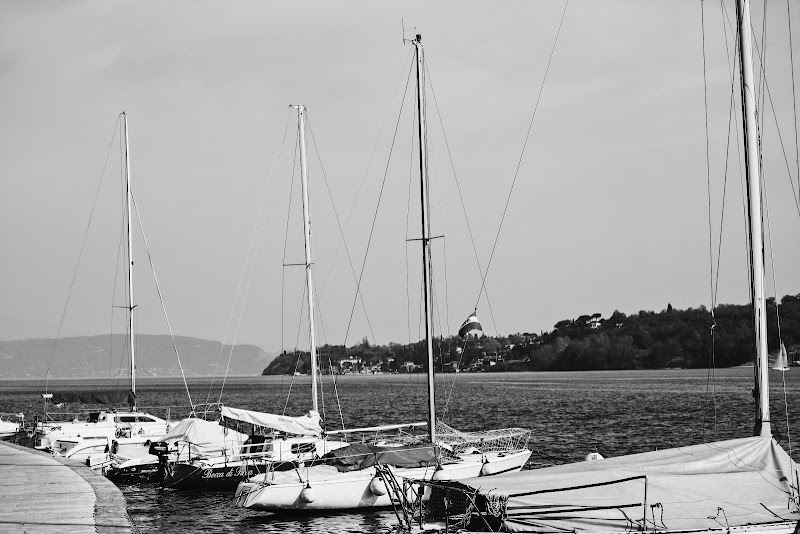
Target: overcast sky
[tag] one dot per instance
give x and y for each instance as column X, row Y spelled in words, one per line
column 609, row 210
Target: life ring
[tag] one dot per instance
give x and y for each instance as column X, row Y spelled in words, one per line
column 118, row 432
column 114, row 447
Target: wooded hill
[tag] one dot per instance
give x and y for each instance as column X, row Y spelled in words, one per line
column 646, row 340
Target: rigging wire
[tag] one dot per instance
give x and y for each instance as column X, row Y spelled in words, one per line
column 161, row 299
column 127, row 223
column 744, row 176
column 738, row 144
column 113, row 299
column 320, row 390
column 291, row 383
column 762, row 73
column 296, row 345
column 795, row 195
column 121, row 259
column 777, row 312
column 300, row 320
column 453, row 383
column 797, row 164
column 711, row 377
column 319, row 359
column 286, row 240
column 46, row 380
column 794, row 95
column 377, row 207
column 437, row 308
column 522, row 154
column 732, row 120
column 341, row 231
column 369, row 163
column 336, row 393
column 408, row 225
column 767, row 94
column 765, row 89
column 461, row 199
column 239, row 285
column 255, row 237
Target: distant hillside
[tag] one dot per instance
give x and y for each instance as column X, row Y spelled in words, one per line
column 670, row 338
column 104, row 356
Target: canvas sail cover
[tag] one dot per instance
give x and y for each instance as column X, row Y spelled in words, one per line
column 709, row 486
column 112, row 396
column 360, row 456
column 307, row 425
column 471, row 327
column 204, row 438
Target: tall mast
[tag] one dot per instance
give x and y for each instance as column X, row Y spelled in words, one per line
column 128, row 202
column 752, row 164
column 426, row 239
column 301, row 114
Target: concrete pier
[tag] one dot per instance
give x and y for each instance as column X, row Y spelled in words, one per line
column 40, row 493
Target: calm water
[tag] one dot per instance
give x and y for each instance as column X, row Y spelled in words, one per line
column 570, row 414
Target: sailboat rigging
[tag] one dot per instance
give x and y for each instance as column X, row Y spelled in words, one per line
column 301, row 117
column 105, row 430
column 369, row 475
column 198, row 454
column 131, row 305
column 738, row 485
column 427, row 268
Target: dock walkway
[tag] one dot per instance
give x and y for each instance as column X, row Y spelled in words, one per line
column 40, row 493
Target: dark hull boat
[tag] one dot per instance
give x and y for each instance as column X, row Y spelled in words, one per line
column 226, row 476
column 206, row 455
column 191, row 476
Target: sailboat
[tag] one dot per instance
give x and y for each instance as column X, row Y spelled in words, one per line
column 104, row 430
column 369, row 475
column 198, row 454
column 744, row 485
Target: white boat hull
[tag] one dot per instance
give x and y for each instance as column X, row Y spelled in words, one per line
column 318, row 490
column 504, row 462
column 351, row 494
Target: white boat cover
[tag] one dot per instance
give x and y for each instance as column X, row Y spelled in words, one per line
column 307, row 425
column 8, row 427
column 710, row 486
column 204, row 437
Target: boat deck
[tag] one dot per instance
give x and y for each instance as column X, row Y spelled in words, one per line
column 43, row 494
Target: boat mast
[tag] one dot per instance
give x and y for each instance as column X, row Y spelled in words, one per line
column 426, row 239
column 752, row 165
column 301, row 115
column 128, row 202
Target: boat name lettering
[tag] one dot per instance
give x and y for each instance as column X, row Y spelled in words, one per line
column 240, row 471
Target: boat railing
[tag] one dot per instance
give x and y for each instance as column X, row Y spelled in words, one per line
column 456, row 506
column 168, row 413
column 186, row 451
column 498, row 440
column 257, row 454
column 17, row 418
column 398, row 434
